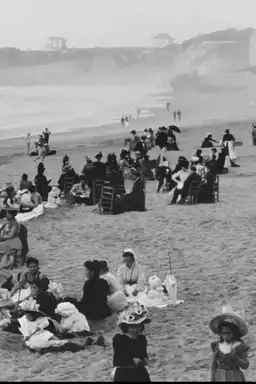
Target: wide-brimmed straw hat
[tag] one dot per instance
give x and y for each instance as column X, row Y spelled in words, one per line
column 228, row 316
column 136, row 313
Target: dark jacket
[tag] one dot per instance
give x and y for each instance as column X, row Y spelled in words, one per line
column 141, row 147
column 94, row 301
column 228, row 137
column 161, row 139
column 47, row 304
column 42, row 186
column 99, row 170
column 192, row 178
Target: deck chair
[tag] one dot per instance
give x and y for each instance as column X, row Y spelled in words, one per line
column 193, row 194
column 107, row 199
column 96, row 190
column 68, row 184
column 216, row 190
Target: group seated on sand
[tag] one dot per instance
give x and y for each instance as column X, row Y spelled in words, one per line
column 29, row 296
column 201, row 170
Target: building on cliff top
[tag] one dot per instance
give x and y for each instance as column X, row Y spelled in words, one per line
column 162, row 40
column 56, row 44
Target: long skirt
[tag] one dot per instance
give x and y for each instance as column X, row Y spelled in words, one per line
column 223, row 375
column 128, row 375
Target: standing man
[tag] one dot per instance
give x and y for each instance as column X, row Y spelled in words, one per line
column 179, row 115
column 141, row 146
column 28, row 144
column 46, row 134
column 174, row 115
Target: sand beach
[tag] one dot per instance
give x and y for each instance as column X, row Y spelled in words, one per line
column 212, row 254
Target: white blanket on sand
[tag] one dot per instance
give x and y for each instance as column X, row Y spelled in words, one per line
column 23, row 217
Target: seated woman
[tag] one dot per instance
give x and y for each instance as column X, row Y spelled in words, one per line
column 116, row 298
column 131, row 273
column 35, row 196
column 27, row 278
column 124, row 164
column 146, row 168
column 10, row 243
column 135, row 200
column 94, row 303
column 25, row 183
column 67, row 171
column 41, row 182
column 26, row 203
column 206, row 194
column 179, row 178
column 46, row 300
column 80, row 192
column 208, row 141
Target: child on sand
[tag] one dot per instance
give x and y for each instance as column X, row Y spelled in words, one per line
column 230, row 352
column 130, row 348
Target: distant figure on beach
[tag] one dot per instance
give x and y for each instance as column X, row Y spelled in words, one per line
column 42, row 153
column 28, row 144
column 126, row 121
column 179, row 114
column 122, row 120
column 46, row 135
column 138, row 111
column 168, row 105
column 208, row 141
column 174, row 114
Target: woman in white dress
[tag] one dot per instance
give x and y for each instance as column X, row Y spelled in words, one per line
column 131, row 273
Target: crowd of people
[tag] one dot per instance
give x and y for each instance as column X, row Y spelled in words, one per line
column 103, row 293
column 41, row 145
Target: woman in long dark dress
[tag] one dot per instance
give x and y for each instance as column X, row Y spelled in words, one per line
column 41, row 182
column 206, row 194
column 94, row 303
column 130, row 348
column 135, row 200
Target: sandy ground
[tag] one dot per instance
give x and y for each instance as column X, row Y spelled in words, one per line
column 212, row 252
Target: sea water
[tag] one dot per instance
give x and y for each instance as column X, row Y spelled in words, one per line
column 65, row 108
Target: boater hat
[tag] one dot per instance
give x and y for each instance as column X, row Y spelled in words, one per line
column 136, row 313
column 228, row 316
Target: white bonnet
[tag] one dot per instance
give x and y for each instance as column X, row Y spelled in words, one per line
column 130, row 250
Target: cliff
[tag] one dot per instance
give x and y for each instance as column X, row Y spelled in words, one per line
column 217, row 59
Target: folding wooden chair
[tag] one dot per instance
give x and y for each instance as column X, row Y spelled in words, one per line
column 96, row 190
column 68, row 184
column 106, row 203
column 193, row 194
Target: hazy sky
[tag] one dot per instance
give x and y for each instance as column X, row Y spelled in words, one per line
column 27, row 23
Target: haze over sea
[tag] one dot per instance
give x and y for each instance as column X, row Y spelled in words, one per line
column 64, row 108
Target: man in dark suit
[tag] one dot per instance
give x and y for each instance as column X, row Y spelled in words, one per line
column 141, row 146
column 192, row 178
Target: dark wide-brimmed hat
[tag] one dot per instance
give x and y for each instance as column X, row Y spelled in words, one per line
column 34, row 312
column 228, row 316
column 13, row 209
column 99, row 155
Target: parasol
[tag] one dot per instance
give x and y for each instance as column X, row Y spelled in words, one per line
column 174, row 128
